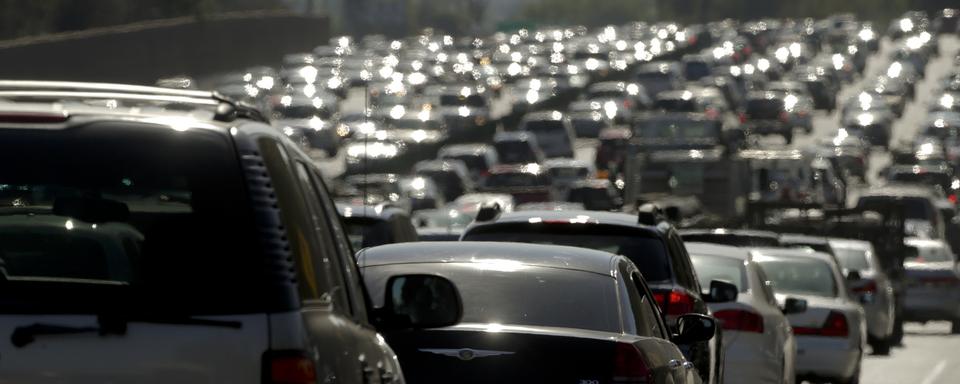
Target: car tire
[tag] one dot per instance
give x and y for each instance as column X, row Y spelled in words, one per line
column 788, row 137
column 955, row 327
column 881, row 347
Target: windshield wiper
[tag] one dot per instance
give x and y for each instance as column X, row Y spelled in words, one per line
column 109, row 325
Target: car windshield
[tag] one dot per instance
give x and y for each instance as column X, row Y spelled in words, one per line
column 806, row 276
column 648, row 253
column 674, row 129
column 855, row 259
column 765, row 108
column 727, row 269
column 534, row 296
column 126, row 207
column 515, row 152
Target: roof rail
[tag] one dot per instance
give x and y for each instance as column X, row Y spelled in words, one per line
column 226, row 109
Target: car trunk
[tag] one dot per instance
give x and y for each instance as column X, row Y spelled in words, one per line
column 145, row 353
column 477, row 354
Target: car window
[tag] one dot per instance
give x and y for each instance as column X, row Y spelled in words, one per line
column 318, row 282
column 766, row 286
column 648, row 252
column 856, row 259
column 728, row 269
column 643, row 313
column 800, row 275
column 117, row 206
column 682, row 268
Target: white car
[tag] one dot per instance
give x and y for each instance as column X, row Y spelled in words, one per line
column 758, row 342
column 933, row 283
column 871, row 286
column 832, row 333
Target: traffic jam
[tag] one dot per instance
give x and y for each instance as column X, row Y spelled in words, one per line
column 773, row 201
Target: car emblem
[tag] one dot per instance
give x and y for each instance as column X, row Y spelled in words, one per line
column 466, row 354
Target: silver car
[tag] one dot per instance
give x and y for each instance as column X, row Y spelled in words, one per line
column 871, row 286
column 758, row 343
column 933, row 286
column 832, row 333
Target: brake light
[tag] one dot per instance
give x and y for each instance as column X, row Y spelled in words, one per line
column 868, row 287
column 952, row 198
column 835, row 326
column 740, row 320
column 784, row 116
column 629, row 365
column 33, row 117
column 743, row 118
column 674, row 303
column 288, row 367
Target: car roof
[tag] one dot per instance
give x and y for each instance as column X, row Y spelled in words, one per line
column 710, row 249
column 731, row 232
column 492, row 255
column 850, row 243
column 793, row 252
column 801, row 238
column 898, row 190
column 577, row 216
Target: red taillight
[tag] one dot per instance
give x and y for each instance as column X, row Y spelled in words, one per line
column 627, row 104
column 835, row 326
column 674, row 303
column 867, row 287
column 288, row 367
column 784, row 116
column 740, row 320
column 952, row 198
column 33, row 117
column 743, row 118
column 629, row 365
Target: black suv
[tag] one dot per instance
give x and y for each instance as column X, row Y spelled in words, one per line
column 211, row 230
column 647, row 240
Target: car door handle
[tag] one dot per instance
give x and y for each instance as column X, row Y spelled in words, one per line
column 675, row 364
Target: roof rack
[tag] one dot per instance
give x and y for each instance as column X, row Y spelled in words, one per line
column 226, row 109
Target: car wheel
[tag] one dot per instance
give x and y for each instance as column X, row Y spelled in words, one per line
column 955, row 327
column 881, row 346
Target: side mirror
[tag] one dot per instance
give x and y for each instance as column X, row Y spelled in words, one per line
column 793, row 305
column 419, row 301
column 694, row 328
column 722, row 291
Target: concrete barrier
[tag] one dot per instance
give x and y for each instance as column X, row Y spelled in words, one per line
column 140, row 53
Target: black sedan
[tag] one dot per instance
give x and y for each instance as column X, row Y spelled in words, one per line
column 530, row 314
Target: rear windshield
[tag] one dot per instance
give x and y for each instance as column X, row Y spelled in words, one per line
column 154, row 215
column 677, row 105
column 647, row 252
column 914, row 208
column 670, row 129
column 490, row 295
column 941, row 180
column 800, row 275
column 476, row 163
column 515, row 152
column 733, row 240
column 852, row 258
column 764, row 108
column 476, row 101
column 515, row 179
column 728, row 269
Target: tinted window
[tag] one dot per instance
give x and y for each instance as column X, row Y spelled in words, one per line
column 106, row 205
column 733, row 240
column 764, row 108
column 515, row 152
column 914, row 208
column 729, row 269
column 642, row 315
column 532, row 296
column 516, row 179
column 800, row 275
column 647, row 252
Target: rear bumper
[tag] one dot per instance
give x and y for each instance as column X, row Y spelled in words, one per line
column 827, row 357
column 925, row 304
column 768, row 127
column 747, row 360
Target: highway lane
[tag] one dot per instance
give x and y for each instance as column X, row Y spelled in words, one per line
column 929, row 356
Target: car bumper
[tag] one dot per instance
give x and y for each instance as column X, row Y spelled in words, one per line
column 827, row 357
column 748, row 360
column 924, row 304
column 772, row 127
